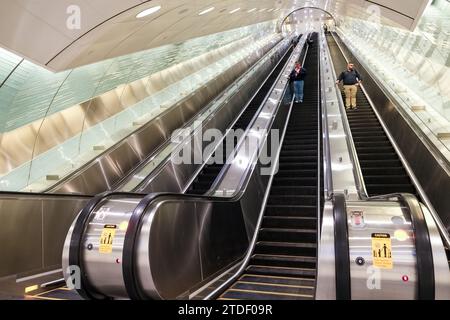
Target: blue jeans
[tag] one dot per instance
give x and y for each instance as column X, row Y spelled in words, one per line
column 298, row 89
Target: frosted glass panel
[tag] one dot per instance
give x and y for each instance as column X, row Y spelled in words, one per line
column 413, row 66
column 31, row 89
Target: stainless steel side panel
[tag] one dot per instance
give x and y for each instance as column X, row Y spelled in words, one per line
column 108, row 169
column 32, row 231
column 172, row 177
column 369, row 282
column 326, row 272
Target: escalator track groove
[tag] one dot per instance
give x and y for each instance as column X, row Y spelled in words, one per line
column 209, row 173
column 284, row 260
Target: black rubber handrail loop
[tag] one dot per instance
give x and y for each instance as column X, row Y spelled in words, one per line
column 129, row 266
column 341, row 249
column 424, row 253
column 84, row 290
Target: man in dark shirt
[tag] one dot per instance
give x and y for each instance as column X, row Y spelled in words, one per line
column 352, row 79
column 297, row 77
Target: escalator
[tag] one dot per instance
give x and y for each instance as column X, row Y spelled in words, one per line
column 381, row 166
column 209, row 173
column 284, row 261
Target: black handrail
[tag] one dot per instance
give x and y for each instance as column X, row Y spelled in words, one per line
column 424, row 252
column 341, row 249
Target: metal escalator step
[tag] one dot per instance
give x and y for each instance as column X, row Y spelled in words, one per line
column 297, row 173
column 301, row 146
column 302, row 282
column 291, row 191
column 356, row 129
column 286, row 248
column 292, row 200
column 287, row 235
column 381, row 156
column 382, row 138
column 380, row 189
column 284, row 261
column 299, row 153
column 291, row 210
column 250, row 295
column 373, row 144
column 298, row 166
column 283, row 271
column 295, row 181
column 366, row 150
column 296, row 159
column 293, row 222
column 365, row 134
column 273, row 288
column 394, row 163
column 388, row 179
column 383, row 171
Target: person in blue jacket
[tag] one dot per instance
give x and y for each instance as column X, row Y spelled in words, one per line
column 297, row 77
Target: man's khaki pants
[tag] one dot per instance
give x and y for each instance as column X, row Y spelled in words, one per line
column 350, row 96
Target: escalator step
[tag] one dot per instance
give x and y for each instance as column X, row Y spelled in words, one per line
column 296, row 159
column 284, row 261
column 381, row 189
column 384, row 171
column 250, row 295
column 293, row 222
column 293, row 200
column 299, row 282
column 388, row 179
column 380, row 163
column 273, row 288
column 282, row 271
column 299, row 191
column 297, row 173
column 367, row 149
column 291, row 210
column 286, row 248
column 288, row 235
column 297, row 181
column 381, row 156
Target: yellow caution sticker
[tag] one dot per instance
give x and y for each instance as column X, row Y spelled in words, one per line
column 107, row 238
column 382, row 251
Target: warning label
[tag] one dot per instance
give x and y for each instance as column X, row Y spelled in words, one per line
column 382, row 251
column 107, row 238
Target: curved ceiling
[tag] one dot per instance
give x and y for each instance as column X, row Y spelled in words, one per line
column 39, row 31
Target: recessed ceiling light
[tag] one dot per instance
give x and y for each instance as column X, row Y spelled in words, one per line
column 206, row 11
column 148, row 12
column 262, row 10
column 235, row 10
column 251, row 10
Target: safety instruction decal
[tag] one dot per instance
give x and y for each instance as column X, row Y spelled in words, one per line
column 382, row 251
column 107, row 238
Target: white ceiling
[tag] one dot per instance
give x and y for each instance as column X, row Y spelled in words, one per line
column 37, row 29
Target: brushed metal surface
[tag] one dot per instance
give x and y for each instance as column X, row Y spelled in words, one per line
column 33, row 230
column 128, row 154
column 382, row 217
column 326, row 273
column 171, row 177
